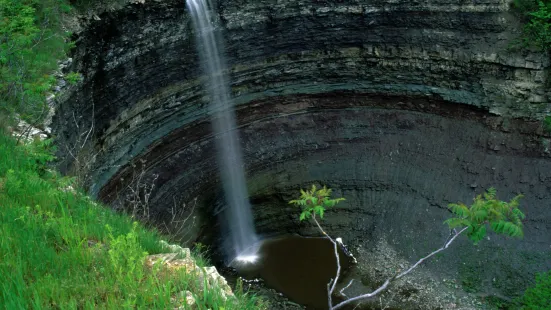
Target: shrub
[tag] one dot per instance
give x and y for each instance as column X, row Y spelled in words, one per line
column 537, row 27
column 538, row 297
column 31, row 42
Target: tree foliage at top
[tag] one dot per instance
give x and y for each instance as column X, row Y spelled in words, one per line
column 32, row 40
column 501, row 216
column 537, row 27
column 314, row 202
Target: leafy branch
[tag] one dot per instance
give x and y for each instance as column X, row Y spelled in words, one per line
column 315, row 201
column 502, row 217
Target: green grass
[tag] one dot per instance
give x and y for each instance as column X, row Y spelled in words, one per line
column 61, row 250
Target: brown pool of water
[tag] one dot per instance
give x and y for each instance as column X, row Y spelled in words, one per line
column 298, row 267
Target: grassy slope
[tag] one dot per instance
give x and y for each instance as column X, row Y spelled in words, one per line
column 59, row 249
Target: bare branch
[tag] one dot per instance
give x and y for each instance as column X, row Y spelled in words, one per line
column 454, row 235
column 347, row 286
column 364, row 296
column 355, row 307
column 333, row 283
column 383, row 307
column 83, row 160
column 175, row 227
column 91, row 127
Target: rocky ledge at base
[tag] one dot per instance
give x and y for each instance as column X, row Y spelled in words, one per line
column 178, row 258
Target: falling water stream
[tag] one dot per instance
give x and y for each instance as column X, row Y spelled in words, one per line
column 241, row 242
column 298, row 267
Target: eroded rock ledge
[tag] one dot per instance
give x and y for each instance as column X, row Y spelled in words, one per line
column 401, row 106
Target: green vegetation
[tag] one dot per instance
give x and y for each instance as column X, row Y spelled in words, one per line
column 502, row 217
column 59, row 249
column 73, row 78
column 314, row 202
column 486, row 211
column 547, row 124
column 537, row 23
column 32, row 40
column 538, row 297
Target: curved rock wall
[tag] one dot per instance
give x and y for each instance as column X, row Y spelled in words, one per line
column 401, row 106
column 142, row 79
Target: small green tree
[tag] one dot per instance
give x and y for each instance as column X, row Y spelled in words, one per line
column 314, row 202
column 502, row 217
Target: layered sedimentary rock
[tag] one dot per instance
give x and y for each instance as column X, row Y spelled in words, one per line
column 401, row 106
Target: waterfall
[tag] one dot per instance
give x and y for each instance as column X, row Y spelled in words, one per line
column 242, row 240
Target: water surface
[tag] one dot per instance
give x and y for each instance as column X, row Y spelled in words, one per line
column 298, row 267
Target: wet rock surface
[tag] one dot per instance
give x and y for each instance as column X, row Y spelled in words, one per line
column 401, row 106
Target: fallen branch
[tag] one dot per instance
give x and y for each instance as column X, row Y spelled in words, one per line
column 486, row 211
column 332, row 284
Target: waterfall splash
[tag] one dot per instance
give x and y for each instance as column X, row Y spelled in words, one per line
column 242, row 244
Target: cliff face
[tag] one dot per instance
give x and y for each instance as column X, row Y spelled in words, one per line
column 401, row 106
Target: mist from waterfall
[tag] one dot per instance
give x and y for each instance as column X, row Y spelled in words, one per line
column 242, row 240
